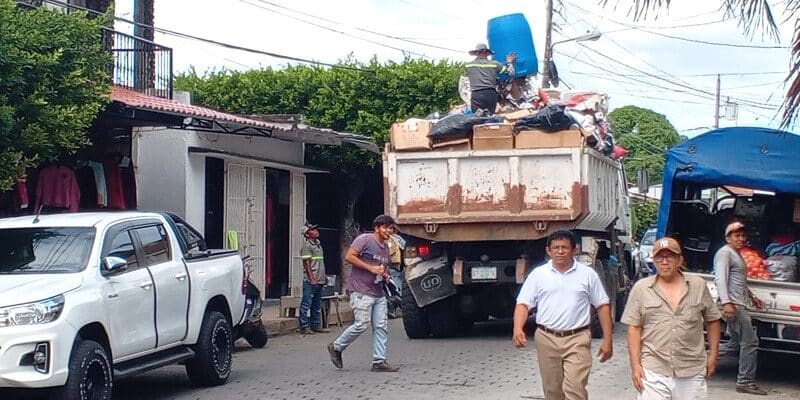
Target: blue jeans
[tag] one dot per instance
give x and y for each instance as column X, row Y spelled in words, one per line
column 367, row 310
column 312, row 295
column 744, row 340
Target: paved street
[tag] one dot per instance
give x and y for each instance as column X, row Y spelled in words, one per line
column 481, row 365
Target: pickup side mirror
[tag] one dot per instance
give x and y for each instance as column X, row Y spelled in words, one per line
column 114, row 265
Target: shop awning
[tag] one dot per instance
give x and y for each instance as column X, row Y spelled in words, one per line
column 140, row 109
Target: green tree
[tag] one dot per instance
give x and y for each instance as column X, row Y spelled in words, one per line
column 643, row 214
column 53, row 83
column 647, row 135
column 362, row 98
column 754, row 16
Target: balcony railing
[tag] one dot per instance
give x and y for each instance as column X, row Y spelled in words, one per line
column 139, row 64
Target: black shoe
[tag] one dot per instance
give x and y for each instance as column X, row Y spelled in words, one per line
column 336, row 356
column 751, row 388
column 320, row 330
column 305, row 331
column 383, row 367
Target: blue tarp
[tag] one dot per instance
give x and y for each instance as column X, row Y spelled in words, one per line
column 755, row 158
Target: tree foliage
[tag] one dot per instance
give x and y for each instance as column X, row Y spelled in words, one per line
column 647, row 135
column 644, row 213
column 362, row 98
column 53, row 83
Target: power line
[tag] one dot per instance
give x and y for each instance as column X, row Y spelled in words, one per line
column 331, row 29
column 676, row 37
column 408, row 40
column 705, row 74
column 210, row 41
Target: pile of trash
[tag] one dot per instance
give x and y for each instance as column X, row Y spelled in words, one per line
column 534, row 110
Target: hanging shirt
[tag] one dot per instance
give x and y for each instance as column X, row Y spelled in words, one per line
column 116, row 195
column 57, row 187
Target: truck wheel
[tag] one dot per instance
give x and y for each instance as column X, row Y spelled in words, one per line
column 415, row 319
column 90, row 374
column 256, row 335
column 211, row 365
column 443, row 318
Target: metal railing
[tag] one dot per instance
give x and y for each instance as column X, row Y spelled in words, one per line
column 139, row 64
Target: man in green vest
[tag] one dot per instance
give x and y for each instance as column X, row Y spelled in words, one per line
column 314, row 280
column 482, row 73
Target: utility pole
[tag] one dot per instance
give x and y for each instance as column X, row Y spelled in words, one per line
column 716, row 106
column 548, row 48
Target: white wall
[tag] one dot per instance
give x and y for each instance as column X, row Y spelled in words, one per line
column 160, row 160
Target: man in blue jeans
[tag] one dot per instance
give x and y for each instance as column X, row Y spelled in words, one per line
column 369, row 255
column 314, row 280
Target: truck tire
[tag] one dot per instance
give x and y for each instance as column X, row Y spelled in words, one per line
column 415, row 319
column 443, row 318
column 256, row 335
column 90, row 374
column 211, row 365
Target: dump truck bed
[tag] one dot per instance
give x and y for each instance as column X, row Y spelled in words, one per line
column 506, row 194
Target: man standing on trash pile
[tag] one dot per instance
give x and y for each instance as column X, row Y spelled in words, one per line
column 562, row 290
column 730, row 277
column 369, row 255
column 314, row 281
column 482, row 73
column 666, row 314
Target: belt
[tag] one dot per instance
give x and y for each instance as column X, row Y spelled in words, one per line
column 563, row 333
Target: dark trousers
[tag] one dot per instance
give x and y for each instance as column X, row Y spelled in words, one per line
column 484, row 99
column 312, row 294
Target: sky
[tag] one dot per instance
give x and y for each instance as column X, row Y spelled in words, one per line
column 657, row 62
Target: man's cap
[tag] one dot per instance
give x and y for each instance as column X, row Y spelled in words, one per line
column 383, row 220
column 666, row 243
column 479, row 48
column 733, row 227
column 307, row 227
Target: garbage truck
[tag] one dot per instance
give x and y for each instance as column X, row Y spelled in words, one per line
column 747, row 175
column 475, row 216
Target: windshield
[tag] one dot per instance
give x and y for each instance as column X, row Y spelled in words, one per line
column 44, row 250
column 649, row 238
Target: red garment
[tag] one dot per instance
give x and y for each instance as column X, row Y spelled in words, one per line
column 116, row 196
column 22, row 194
column 57, row 187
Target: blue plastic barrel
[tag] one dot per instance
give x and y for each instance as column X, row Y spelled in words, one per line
column 509, row 33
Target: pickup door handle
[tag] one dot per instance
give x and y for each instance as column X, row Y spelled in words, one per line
column 112, row 295
column 146, row 285
column 180, row 276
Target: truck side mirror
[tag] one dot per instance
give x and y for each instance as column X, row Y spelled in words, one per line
column 113, row 265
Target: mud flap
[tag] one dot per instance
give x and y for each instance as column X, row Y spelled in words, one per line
column 430, row 281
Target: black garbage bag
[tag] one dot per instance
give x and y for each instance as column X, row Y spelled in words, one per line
column 458, row 125
column 551, row 118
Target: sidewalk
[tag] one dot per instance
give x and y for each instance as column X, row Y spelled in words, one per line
column 278, row 325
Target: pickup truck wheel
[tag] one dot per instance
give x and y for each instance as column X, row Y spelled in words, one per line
column 90, row 374
column 415, row 319
column 443, row 318
column 211, row 365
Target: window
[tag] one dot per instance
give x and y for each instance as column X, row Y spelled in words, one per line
column 122, row 247
column 193, row 240
column 154, row 244
column 45, row 250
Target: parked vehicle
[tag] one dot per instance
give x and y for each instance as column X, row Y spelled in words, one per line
column 476, row 223
column 645, row 253
column 87, row 298
column 748, row 175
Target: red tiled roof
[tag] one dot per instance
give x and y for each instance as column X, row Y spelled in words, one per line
column 141, row 100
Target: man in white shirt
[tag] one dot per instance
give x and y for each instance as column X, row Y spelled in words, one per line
column 562, row 290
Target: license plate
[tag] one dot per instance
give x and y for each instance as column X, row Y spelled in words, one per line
column 483, row 273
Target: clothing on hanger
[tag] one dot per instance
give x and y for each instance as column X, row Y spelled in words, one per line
column 57, row 187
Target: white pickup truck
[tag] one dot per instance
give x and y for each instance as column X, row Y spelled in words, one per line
column 91, row 297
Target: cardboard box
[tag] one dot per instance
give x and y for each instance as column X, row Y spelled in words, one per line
column 460, row 144
column 493, row 137
column 411, row 135
column 536, row 139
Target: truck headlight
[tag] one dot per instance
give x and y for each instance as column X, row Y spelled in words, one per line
column 39, row 312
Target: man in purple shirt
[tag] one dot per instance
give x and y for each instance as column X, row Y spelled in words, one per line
column 369, row 255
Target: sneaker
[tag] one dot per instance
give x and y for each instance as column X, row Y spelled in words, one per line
column 305, row 331
column 336, row 356
column 383, row 367
column 750, row 388
column 320, row 330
